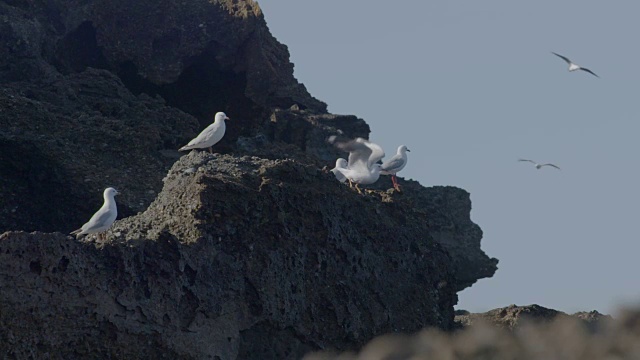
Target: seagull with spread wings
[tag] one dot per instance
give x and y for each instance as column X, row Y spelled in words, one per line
column 362, row 165
column 573, row 66
column 538, row 166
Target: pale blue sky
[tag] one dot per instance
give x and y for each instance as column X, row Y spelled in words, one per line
column 470, row 86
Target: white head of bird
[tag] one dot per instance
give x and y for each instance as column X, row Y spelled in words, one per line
column 402, row 149
column 220, row 116
column 110, row 192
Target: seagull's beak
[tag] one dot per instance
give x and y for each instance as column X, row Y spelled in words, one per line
column 227, row 118
column 408, row 150
column 117, row 192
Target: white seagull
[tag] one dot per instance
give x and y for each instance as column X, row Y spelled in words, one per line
column 362, row 166
column 538, row 166
column 103, row 218
column 573, row 66
column 209, row 136
column 341, row 164
column 395, row 164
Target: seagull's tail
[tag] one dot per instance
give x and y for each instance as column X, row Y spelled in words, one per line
column 185, row 148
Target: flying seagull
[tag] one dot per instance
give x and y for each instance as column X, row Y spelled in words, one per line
column 209, row 136
column 573, row 66
column 538, row 166
column 103, row 218
column 395, row 164
column 362, row 164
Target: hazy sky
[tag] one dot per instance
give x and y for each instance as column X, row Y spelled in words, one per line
column 471, row 86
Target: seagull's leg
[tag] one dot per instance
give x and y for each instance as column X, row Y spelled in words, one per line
column 210, row 151
column 350, row 183
column 359, row 191
column 395, row 182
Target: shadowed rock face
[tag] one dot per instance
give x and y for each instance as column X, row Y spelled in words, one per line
column 98, row 94
column 253, row 254
column 235, row 256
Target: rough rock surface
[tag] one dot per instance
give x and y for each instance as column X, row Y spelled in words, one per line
column 252, row 253
column 64, row 141
column 236, row 257
column 513, row 316
column 98, row 94
column 549, row 337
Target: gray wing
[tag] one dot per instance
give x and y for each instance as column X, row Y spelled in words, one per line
column 203, row 136
column 551, row 166
column 562, row 57
column 394, row 163
column 589, row 71
column 98, row 220
column 531, row 161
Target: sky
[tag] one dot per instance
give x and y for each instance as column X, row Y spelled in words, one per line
column 471, row 86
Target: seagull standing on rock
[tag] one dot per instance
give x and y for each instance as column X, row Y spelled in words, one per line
column 209, row 136
column 395, row 164
column 538, row 166
column 103, row 218
column 362, row 166
column 573, row 66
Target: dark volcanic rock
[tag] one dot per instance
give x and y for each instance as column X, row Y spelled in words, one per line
column 64, row 141
column 154, row 42
column 253, row 254
column 234, row 257
column 513, row 316
column 549, row 337
column 83, row 129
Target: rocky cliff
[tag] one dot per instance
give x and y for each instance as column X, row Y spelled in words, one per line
column 252, row 253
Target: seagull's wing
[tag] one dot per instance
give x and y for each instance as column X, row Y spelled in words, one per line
column 531, row 161
column 550, row 165
column 563, row 58
column 589, row 71
column 359, row 152
column 201, row 138
column 98, row 220
column 395, row 162
column 377, row 153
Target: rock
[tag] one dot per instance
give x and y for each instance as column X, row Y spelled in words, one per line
column 514, row 316
column 564, row 337
column 64, row 141
column 242, row 255
column 254, row 252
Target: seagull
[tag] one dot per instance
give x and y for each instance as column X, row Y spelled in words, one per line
column 395, row 164
column 341, row 164
column 209, row 136
column 103, row 218
column 362, row 166
column 574, row 67
column 538, row 166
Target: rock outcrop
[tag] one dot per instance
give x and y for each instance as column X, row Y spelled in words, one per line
column 537, row 333
column 254, row 252
column 513, row 316
column 236, row 257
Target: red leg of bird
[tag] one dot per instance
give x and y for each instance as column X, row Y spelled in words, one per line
column 395, row 183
